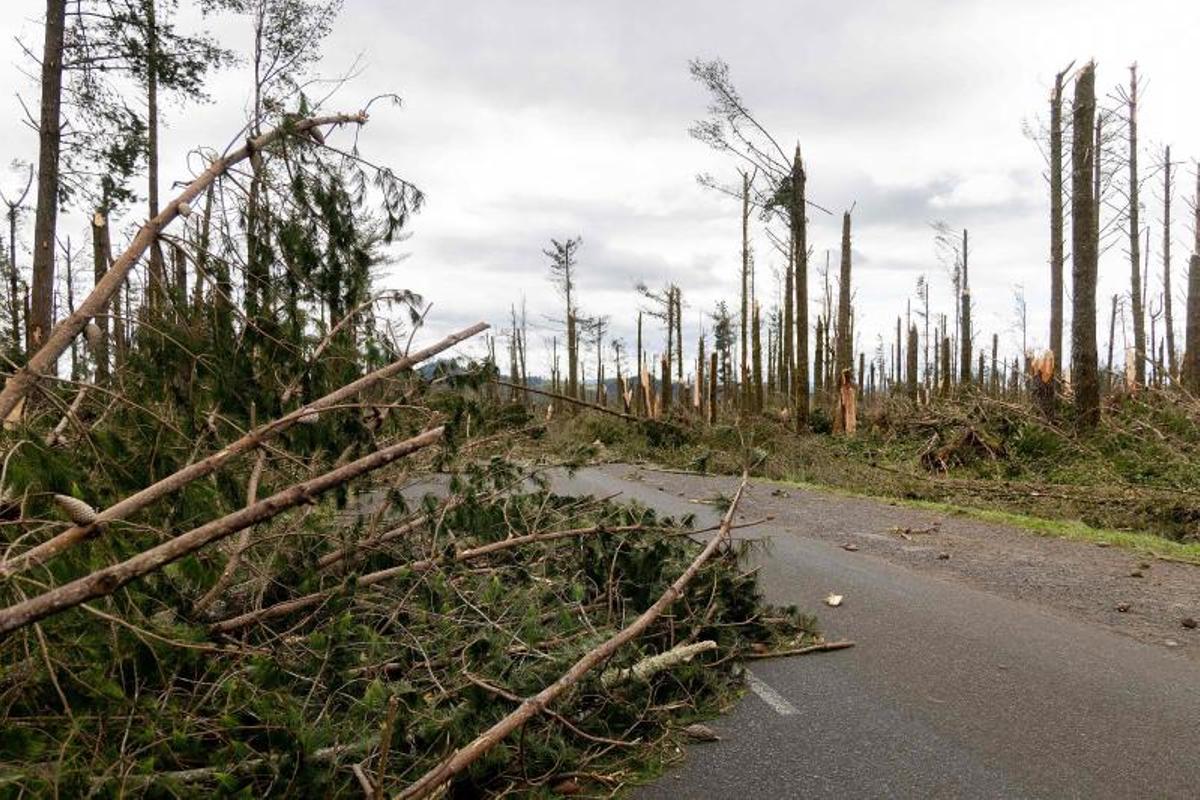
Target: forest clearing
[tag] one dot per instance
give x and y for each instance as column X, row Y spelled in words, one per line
column 780, row 518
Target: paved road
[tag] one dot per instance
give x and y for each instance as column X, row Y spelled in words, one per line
column 951, row 692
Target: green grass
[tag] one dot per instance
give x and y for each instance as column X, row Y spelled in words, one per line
column 1074, row 530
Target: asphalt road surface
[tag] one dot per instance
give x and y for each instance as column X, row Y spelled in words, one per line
column 968, row 682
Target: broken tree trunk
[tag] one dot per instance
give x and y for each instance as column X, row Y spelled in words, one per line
column 1084, row 255
column 198, row 469
column 105, row 581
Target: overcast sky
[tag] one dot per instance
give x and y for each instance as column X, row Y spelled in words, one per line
column 527, row 120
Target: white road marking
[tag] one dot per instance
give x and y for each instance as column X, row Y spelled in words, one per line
column 769, row 696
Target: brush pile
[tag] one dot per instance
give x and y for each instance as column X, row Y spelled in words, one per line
column 349, row 632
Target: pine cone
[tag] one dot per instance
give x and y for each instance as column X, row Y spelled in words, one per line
column 76, row 510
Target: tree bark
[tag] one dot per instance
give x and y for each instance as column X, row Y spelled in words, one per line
column 800, row 247
column 156, row 272
column 965, row 319
column 1085, row 254
column 1168, row 310
column 742, row 366
column 845, row 349
column 1191, row 344
column 100, row 256
column 1135, row 234
column 41, row 318
column 1056, row 219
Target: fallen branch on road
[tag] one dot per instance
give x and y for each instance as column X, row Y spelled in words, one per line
column 822, row 647
column 439, row 775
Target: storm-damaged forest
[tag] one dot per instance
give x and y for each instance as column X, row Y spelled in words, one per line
column 275, row 520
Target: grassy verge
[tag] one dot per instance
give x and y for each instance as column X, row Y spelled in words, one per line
column 1075, row 530
column 1133, row 483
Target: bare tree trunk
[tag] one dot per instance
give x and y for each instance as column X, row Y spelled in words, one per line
column 758, row 365
column 965, row 317
column 945, row 366
column 100, row 257
column 1112, row 336
column 1191, row 349
column 69, row 276
column 995, row 379
column 800, row 247
column 1085, row 253
column 911, row 366
column 712, row 389
column 41, row 313
column 819, row 359
column 787, row 326
column 155, row 294
column 743, row 365
column 665, row 398
column 1135, row 234
column 1056, row 219
column 1168, row 311
column 845, row 347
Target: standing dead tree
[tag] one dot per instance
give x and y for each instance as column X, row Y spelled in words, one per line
column 1129, row 100
column 564, row 260
column 1085, row 254
column 1056, row 217
column 731, row 128
column 1168, row 310
column 1191, row 346
column 12, row 213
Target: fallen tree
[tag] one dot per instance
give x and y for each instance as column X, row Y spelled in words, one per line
column 250, row 441
column 106, row 581
column 43, row 361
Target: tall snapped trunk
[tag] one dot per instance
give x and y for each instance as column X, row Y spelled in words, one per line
column 41, row 311
column 1084, row 256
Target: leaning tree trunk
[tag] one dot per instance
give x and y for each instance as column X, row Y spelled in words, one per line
column 42, row 362
column 1084, row 256
column 41, row 312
